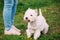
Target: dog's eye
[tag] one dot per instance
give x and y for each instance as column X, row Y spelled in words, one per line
column 30, row 15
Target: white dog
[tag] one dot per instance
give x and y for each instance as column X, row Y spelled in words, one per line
column 36, row 24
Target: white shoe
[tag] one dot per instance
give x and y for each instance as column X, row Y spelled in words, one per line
column 16, row 28
column 12, row 31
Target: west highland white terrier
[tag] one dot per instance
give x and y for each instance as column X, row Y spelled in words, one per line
column 36, row 24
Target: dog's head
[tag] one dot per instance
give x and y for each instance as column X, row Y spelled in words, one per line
column 30, row 15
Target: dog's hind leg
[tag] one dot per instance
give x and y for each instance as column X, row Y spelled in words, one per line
column 45, row 30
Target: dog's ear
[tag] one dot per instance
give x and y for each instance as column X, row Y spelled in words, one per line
column 36, row 10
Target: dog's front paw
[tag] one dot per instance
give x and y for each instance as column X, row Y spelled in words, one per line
column 28, row 33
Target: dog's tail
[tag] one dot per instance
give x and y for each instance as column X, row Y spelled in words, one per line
column 40, row 12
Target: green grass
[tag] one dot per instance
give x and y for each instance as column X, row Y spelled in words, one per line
column 50, row 10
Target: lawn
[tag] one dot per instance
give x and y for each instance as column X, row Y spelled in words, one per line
column 50, row 10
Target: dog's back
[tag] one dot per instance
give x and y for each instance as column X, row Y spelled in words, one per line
column 41, row 19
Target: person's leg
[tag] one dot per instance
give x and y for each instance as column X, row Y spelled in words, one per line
column 13, row 13
column 7, row 15
column 8, row 4
column 14, row 10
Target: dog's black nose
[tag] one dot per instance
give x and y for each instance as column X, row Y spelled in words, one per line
column 28, row 20
column 26, row 17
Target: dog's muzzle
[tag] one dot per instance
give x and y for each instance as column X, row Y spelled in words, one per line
column 27, row 19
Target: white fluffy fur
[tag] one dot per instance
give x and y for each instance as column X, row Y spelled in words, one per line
column 36, row 23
